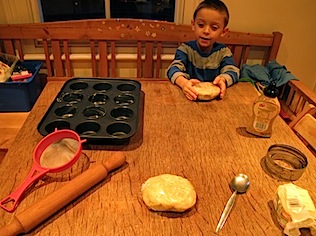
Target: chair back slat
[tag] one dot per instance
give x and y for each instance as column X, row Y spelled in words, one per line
column 148, row 63
column 139, row 59
column 246, row 54
column 58, row 64
column 158, row 60
column 18, row 46
column 67, row 58
column 103, row 61
column 93, row 58
column 9, row 46
column 47, row 58
column 113, row 59
column 238, row 52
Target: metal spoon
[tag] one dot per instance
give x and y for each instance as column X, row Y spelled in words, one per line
column 240, row 184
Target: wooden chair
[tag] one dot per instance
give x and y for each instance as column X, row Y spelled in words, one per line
column 102, row 41
column 295, row 97
column 305, row 127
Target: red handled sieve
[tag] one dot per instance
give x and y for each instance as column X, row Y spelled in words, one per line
column 37, row 171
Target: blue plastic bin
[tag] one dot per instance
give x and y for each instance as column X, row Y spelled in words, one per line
column 21, row 96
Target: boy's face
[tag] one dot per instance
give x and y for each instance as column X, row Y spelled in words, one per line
column 208, row 26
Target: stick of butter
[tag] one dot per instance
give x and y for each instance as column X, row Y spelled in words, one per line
column 295, row 209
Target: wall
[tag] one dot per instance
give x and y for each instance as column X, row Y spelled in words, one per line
column 18, row 11
column 2, row 16
column 295, row 19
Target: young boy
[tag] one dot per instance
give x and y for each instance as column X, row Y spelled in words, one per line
column 204, row 59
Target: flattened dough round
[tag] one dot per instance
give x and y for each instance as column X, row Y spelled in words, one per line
column 207, row 90
column 168, row 193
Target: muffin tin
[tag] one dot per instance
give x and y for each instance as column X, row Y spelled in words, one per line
column 98, row 109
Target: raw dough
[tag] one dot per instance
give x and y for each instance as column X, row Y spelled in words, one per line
column 207, row 90
column 168, row 193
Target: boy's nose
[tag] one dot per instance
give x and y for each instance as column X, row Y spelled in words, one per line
column 206, row 30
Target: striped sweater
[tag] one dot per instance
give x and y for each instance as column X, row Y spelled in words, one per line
column 192, row 63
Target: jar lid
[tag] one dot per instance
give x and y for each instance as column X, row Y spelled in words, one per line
column 284, row 162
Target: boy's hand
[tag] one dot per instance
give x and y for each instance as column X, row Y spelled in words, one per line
column 189, row 91
column 220, row 81
column 187, row 87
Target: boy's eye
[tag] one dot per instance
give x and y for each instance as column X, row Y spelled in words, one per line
column 200, row 25
column 214, row 27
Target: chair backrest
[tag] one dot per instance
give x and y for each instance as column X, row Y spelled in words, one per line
column 305, row 127
column 295, row 97
column 57, row 44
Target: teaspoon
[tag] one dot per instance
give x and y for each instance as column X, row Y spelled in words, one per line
column 240, row 184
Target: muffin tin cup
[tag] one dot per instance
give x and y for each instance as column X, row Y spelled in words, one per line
column 100, row 110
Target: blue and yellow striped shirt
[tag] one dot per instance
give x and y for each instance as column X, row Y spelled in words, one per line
column 192, row 63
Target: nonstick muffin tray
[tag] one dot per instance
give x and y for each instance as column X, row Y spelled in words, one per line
column 98, row 109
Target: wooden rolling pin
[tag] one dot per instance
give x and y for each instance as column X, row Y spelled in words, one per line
column 31, row 217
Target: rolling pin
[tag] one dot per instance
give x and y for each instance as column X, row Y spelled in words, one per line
column 34, row 215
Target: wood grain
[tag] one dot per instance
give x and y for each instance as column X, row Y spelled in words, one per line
column 10, row 125
column 205, row 142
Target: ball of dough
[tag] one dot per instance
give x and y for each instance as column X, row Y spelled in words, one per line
column 206, row 90
column 168, row 193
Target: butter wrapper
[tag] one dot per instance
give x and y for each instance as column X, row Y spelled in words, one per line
column 294, row 209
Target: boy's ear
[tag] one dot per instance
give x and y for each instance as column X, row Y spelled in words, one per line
column 192, row 25
column 225, row 31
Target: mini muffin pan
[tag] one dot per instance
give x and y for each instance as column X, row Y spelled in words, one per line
column 97, row 109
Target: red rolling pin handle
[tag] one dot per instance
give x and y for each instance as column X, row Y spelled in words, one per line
column 31, row 217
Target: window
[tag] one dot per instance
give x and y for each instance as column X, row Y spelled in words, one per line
column 92, row 9
column 72, row 9
column 142, row 9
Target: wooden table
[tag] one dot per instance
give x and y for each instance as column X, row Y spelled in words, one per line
column 10, row 124
column 205, row 142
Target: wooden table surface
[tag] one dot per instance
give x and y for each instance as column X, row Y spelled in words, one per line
column 205, row 142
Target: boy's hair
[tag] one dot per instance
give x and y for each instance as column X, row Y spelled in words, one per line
column 217, row 5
